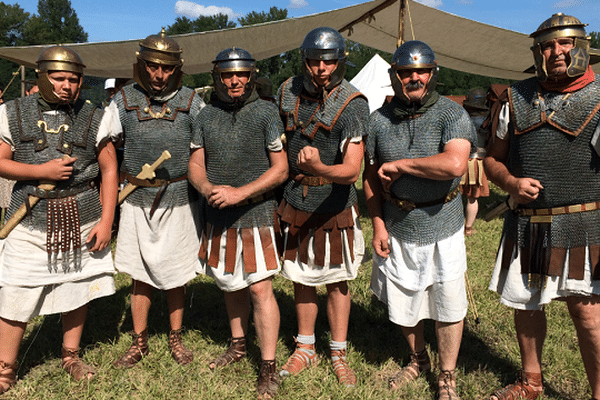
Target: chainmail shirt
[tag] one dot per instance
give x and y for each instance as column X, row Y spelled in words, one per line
column 236, row 141
column 39, row 143
column 555, row 149
column 149, row 128
column 344, row 115
column 390, row 139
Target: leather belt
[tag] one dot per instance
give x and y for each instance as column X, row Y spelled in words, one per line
column 409, row 205
column 61, row 193
column 576, row 208
column 307, row 181
column 152, row 182
column 257, row 199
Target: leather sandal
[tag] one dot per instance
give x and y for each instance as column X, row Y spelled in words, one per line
column 268, row 381
column 447, row 386
column 75, row 365
column 419, row 364
column 235, row 353
column 529, row 385
column 8, row 376
column 137, row 350
column 179, row 352
column 304, row 356
column 341, row 368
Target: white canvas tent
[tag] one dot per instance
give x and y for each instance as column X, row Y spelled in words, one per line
column 373, row 81
column 459, row 43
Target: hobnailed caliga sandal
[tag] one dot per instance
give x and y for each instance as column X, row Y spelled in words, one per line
column 138, row 350
column 75, row 365
column 181, row 354
column 529, row 386
column 419, row 363
column 8, row 376
column 447, row 386
column 235, row 352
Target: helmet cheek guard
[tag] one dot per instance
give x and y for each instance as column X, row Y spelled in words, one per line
column 62, row 59
column 163, row 50
column 234, row 60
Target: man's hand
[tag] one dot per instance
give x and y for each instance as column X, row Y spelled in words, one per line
column 525, row 190
column 381, row 242
column 58, row 169
column 223, row 196
column 309, row 160
column 388, row 173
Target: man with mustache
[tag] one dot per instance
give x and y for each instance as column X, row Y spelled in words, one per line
column 545, row 154
column 417, row 150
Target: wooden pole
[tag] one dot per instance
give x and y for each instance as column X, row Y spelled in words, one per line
column 22, row 81
column 401, row 16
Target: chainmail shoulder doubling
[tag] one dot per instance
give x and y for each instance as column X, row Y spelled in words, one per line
column 151, row 127
column 390, row 139
column 570, row 113
column 352, row 121
column 235, row 142
column 567, row 167
column 33, row 145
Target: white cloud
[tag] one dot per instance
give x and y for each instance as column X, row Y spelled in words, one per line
column 297, row 4
column 193, row 10
column 431, row 3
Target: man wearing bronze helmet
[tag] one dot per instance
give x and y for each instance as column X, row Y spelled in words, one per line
column 158, row 239
column 57, row 257
column 325, row 120
column 545, row 154
column 417, row 150
column 237, row 161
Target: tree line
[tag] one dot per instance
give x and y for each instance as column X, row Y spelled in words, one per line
column 56, row 22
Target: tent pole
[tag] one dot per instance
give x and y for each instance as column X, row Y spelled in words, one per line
column 401, row 15
column 22, row 81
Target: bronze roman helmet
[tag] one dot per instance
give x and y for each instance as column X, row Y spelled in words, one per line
column 57, row 58
column 562, row 26
column 159, row 49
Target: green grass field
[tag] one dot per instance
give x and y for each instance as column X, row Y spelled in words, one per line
column 489, row 356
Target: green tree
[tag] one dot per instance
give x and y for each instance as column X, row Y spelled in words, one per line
column 12, row 21
column 274, row 67
column 253, row 17
column 595, row 40
column 201, row 24
column 56, row 22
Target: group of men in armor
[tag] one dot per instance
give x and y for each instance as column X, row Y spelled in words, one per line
column 200, row 198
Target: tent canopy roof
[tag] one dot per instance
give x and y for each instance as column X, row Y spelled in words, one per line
column 459, row 43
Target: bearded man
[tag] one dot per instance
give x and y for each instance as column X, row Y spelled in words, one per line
column 545, row 155
column 417, row 151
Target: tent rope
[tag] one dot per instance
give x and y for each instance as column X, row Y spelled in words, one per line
column 412, row 29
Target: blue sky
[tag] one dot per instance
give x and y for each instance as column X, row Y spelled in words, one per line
column 108, row 20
